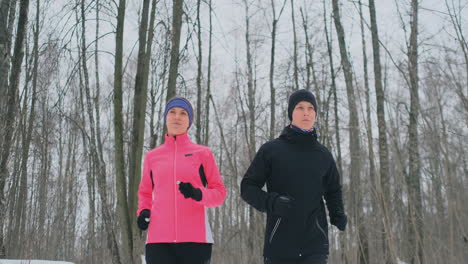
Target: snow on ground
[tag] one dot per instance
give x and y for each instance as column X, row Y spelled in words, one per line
column 31, row 261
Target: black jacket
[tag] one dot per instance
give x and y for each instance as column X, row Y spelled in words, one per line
column 297, row 165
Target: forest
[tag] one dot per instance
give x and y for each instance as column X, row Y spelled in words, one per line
column 84, row 83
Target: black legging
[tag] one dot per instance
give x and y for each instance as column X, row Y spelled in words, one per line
column 178, row 253
column 312, row 259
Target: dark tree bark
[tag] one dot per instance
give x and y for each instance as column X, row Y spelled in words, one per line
column 177, row 11
column 198, row 111
column 96, row 156
column 11, row 110
column 139, row 114
column 20, row 211
column 296, row 70
column 414, row 176
column 364, row 245
column 5, row 44
column 333, row 87
column 382, row 187
column 208, row 82
column 272, row 68
column 119, row 154
column 354, row 133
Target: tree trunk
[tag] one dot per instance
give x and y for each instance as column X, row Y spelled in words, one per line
column 208, row 82
column 23, row 188
column 333, row 87
column 272, row 68
column 120, row 182
column 414, row 176
column 199, row 78
column 382, row 186
column 43, row 177
column 139, row 114
column 251, row 132
column 310, row 68
column 296, row 73
column 177, row 11
column 458, row 27
column 11, row 110
column 5, row 44
column 272, row 73
column 96, row 156
column 354, row 144
column 364, row 245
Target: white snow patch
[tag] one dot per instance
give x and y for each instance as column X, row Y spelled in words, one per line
column 31, row 261
column 401, row 261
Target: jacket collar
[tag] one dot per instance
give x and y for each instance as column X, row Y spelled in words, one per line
column 180, row 139
column 294, row 136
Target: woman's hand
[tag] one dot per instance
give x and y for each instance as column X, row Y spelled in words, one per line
column 187, row 189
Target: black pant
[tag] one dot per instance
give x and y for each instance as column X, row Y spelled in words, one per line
column 312, row 259
column 178, row 253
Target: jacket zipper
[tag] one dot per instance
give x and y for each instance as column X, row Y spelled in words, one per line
column 278, row 221
column 320, row 228
column 175, row 186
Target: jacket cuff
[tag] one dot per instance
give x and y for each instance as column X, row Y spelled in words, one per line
column 270, row 201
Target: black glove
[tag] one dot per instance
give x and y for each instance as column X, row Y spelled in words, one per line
column 187, row 189
column 144, row 219
column 280, row 205
column 339, row 221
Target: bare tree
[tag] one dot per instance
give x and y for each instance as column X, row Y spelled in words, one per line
column 333, row 87
column 208, row 81
column 11, row 110
column 414, row 176
column 456, row 20
column 364, row 246
column 272, row 67
column 139, row 114
column 198, row 122
column 97, row 157
column 5, row 45
column 177, row 11
column 20, row 210
column 354, row 133
column 119, row 161
column 250, row 134
column 384, row 184
column 296, row 70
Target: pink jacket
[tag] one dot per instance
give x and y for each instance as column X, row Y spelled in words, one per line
column 174, row 218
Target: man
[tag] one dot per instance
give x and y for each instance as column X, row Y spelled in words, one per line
column 299, row 172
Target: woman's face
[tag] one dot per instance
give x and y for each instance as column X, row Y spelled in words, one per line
column 303, row 115
column 177, row 121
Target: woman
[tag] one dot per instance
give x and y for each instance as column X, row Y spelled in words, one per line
column 299, row 172
column 180, row 179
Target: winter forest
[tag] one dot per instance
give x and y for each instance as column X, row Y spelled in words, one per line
column 83, row 85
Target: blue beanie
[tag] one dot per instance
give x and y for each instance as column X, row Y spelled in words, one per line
column 182, row 103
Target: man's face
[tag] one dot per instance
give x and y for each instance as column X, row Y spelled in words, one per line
column 303, row 115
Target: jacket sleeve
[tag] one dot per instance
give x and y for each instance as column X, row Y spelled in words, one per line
column 254, row 180
column 214, row 193
column 333, row 194
column 145, row 190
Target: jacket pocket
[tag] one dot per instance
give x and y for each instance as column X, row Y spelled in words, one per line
column 275, row 228
column 320, row 228
column 315, row 231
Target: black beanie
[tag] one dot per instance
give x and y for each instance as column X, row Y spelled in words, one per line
column 299, row 96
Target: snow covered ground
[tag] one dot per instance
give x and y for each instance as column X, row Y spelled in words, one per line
column 31, row 261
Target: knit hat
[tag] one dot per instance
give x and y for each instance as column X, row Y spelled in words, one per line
column 299, row 96
column 182, row 103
